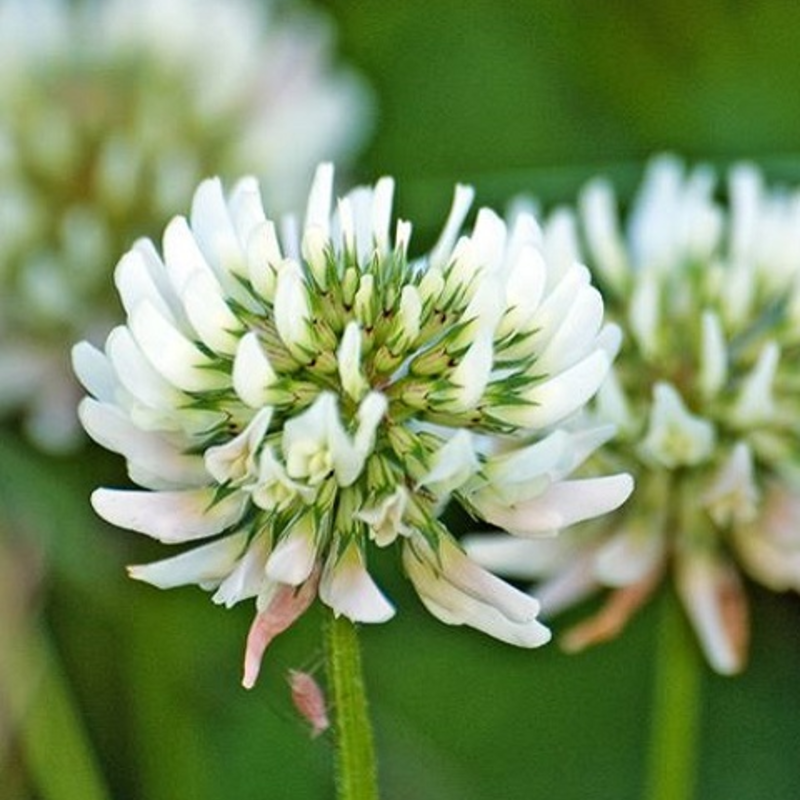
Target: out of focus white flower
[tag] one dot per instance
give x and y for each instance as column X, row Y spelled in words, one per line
column 111, row 112
column 292, row 399
column 704, row 394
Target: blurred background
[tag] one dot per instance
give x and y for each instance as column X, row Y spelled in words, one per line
column 112, row 689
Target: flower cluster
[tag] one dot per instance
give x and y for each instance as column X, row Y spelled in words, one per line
column 110, row 114
column 704, row 395
column 298, row 396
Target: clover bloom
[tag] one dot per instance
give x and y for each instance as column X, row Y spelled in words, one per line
column 294, row 398
column 110, row 115
column 704, row 395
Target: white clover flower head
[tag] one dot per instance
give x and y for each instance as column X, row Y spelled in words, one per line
column 703, row 395
column 111, row 112
column 322, row 404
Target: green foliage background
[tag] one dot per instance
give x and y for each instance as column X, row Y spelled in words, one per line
column 142, row 689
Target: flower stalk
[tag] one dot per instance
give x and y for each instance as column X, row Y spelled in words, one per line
column 672, row 760
column 356, row 770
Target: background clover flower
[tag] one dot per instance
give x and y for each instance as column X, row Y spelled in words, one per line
column 293, row 397
column 704, row 396
column 110, row 114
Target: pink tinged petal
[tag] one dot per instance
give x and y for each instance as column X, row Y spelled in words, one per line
column 236, row 460
column 560, row 505
column 462, row 200
column 170, row 517
column 175, row 357
column 348, row 589
column 209, row 314
column 94, row 371
column 607, row 623
column 713, row 596
column 770, row 547
column 460, row 594
column 284, row 608
column 309, row 700
column 295, row 555
column 205, row 566
column 153, row 461
column 252, row 372
column 628, row 556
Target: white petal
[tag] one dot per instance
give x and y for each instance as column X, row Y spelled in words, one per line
column 213, row 229
column 246, row 208
column 182, row 256
column 320, row 197
column 210, row 315
column 170, row 517
column 755, row 403
column 561, row 504
column 171, row 353
column 382, row 214
column 292, row 311
column 348, row 358
column 235, row 460
column 348, row 589
column 713, row 356
column 474, row 597
column 629, row 556
column 556, row 398
column 294, row 557
column 453, row 464
column 442, row 251
column 205, row 566
column 247, row 578
column 252, row 372
column 135, row 283
column 94, row 371
column 147, row 453
column 676, row 437
column 471, row 375
column 137, row 374
column 523, row 559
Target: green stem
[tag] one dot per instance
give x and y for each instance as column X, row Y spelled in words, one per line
column 676, row 708
column 356, row 773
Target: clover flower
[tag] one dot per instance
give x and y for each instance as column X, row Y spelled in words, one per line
column 295, row 397
column 110, row 115
column 704, row 395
